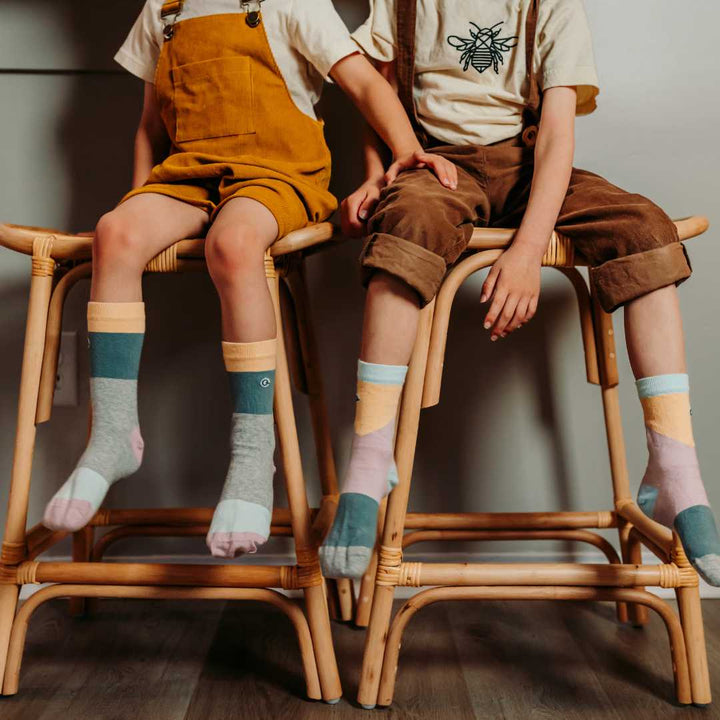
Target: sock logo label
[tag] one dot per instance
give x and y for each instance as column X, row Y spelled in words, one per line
column 265, row 382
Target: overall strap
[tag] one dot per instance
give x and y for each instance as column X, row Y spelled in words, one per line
column 531, row 114
column 169, row 15
column 406, row 14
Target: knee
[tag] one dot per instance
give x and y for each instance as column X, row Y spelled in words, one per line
column 403, row 211
column 653, row 228
column 233, row 253
column 117, row 242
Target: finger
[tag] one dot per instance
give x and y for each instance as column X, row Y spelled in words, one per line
column 345, row 224
column 368, row 205
column 392, row 173
column 494, row 312
column 489, row 284
column 352, row 224
column 439, row 167
column 532, row 308
column 518, row 318
column 504, row 318
column 452, row 174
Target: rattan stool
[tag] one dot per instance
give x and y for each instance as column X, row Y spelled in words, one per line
column 58, row 262
column 621, row 581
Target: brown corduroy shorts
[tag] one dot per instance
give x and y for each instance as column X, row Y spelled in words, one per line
column 420, row 228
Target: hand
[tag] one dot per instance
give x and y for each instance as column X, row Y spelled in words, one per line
column 445, row 171
column 355, row 209
column 513, row 284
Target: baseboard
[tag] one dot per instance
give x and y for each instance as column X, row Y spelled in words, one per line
column 706, row 591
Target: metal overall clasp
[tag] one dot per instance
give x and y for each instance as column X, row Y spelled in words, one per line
column 252, row 10
column 169, row 14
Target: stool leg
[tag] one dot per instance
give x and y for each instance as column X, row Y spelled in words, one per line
column 396, row 510
column 688, row 599
column 8, row 605
column 315, row 601
column 608, row 376
column 296, row 281
column 82, row 545
column 13, row 547
column 632, row 555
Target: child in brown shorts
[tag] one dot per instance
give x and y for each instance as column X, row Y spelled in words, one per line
column 494, row 86
column 228, row 147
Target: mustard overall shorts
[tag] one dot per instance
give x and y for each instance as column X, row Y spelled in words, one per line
column 234, row 128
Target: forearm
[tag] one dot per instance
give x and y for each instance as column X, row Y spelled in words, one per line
column 151, row 139
column 378, row 102
column 375, row 155
column 553, row 166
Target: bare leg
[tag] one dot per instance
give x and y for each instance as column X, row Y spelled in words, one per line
column 236, row 243
column 391, row 321
column 672, row 491
column 654, row 334
column 129, row 236
column 236, row 246
column 125, row 240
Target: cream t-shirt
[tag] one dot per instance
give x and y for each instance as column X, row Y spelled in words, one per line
column 470, row 72
column 307, row 37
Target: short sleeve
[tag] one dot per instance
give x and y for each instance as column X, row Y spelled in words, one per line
column 319, row 34
column 376, row 36
column 140, row 52
column 565, row 51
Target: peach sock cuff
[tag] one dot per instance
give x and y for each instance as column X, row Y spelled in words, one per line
column 250, row 357
column 116, row 317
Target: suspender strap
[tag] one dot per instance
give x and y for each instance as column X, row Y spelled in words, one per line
column 171, row 7
column 531, row 114
column 406, row 14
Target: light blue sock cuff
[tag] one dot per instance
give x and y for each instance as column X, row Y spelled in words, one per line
column 382, row 374
column 663, row 385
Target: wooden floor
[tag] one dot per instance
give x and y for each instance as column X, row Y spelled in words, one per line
column 139, row 660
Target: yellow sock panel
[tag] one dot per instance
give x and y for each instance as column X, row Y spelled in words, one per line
column 377, row 406
column 669, row 415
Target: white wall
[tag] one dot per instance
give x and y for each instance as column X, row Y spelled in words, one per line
column 518, row 427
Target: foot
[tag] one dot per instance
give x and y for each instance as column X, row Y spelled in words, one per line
column 241, row 523
column 348, row 547
column 115, row 451
column 672, row 493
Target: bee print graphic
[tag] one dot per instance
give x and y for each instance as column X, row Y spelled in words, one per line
column 483, row 48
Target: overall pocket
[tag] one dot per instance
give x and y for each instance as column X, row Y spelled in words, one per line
column 213, row 98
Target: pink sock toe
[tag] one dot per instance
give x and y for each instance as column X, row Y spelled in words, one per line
column 70, row 515
column 230, row 544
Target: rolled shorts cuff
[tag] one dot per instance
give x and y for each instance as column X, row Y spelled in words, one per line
column 418, row 267
column 621, row 280
column 285, row 205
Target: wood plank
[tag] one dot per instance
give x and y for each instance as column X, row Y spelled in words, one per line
column 253, row 665
column 132, row 659
column 632, row 665
column 520, row 661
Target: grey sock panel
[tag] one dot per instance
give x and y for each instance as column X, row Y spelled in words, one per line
column 115, row 447
column 251, row 468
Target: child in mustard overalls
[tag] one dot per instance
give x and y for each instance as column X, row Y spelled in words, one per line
column 228, row 144
column 494, row 86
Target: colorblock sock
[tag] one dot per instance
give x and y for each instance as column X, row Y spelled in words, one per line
column 115, row 334
column 672, row 491
column 349, row 544
column 241, row 521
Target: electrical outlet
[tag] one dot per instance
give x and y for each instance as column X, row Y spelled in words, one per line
column 66, row 381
